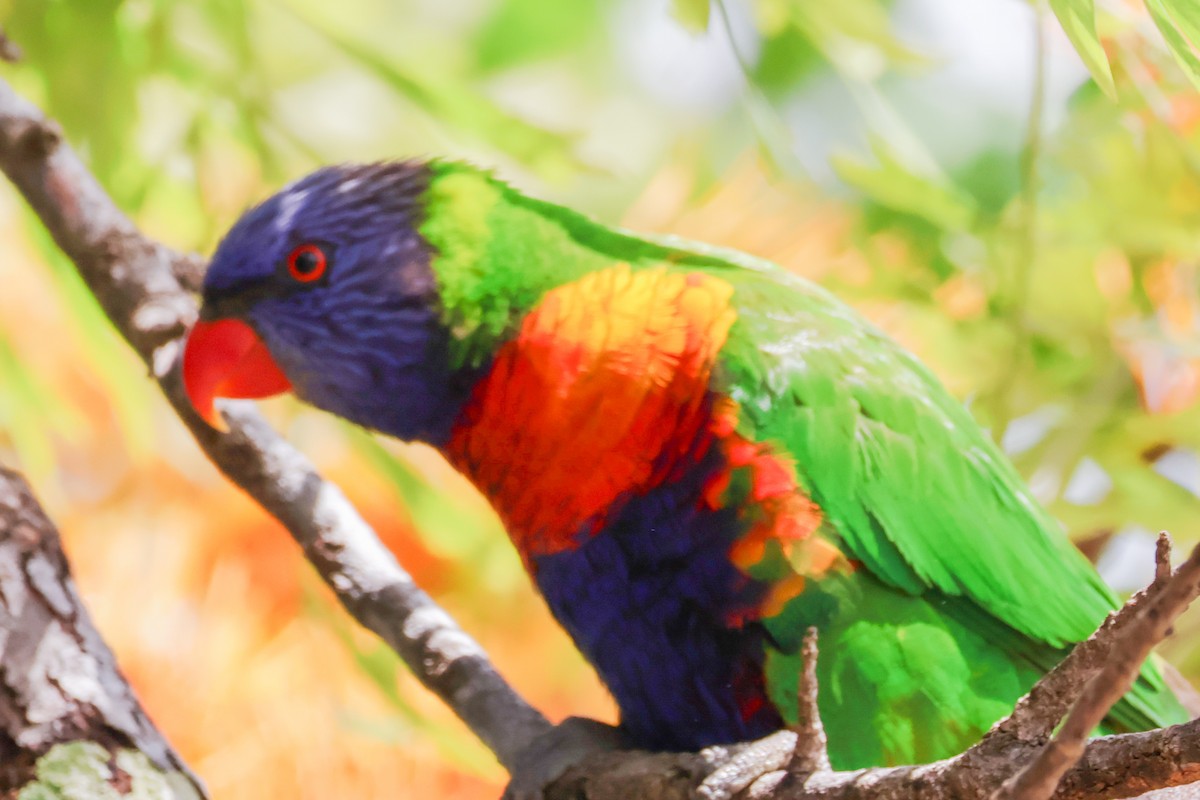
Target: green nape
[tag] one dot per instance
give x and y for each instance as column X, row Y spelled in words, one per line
column 498, row 251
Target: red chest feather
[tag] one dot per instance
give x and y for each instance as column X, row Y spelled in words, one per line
column 599, row 395
column 604, row 395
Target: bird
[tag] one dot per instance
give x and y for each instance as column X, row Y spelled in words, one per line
column 697, row 454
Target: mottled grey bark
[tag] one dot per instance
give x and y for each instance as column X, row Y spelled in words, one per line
column 59, row 682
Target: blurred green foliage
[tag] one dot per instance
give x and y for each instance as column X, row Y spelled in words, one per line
column 1051, row 275
column 1179, row 23
column 1078, row 18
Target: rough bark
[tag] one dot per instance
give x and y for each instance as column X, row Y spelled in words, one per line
column 59, row 682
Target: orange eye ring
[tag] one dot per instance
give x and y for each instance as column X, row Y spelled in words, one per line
column 307, row 263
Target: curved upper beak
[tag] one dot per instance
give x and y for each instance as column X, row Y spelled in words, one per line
column 225, row 358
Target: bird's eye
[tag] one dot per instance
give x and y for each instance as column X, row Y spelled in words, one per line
column 307, row 263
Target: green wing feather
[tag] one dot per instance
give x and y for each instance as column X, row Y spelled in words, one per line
column 913, row 487
column 966, row 572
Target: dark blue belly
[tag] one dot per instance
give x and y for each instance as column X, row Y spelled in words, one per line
column 652, row 601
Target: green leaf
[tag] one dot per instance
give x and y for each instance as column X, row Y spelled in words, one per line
column 460, row 108
column 1078, row 19
column 786, row 58
column 50, row 35
column 993, row 179
column 692, row 14
column 1179, row 23
column 853, row 34
column 521, row 31
column 894, row 185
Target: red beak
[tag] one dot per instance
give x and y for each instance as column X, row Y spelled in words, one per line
column 226, row 358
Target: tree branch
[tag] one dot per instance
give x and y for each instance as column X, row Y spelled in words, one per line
column 812, row 753
column 1166, row 600
column 59, row 682
column 137, row 282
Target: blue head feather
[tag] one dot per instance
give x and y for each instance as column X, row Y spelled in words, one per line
column 366, row 341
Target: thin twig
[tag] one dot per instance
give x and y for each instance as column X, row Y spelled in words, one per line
column 1162, row 558
column 812, row 753
column 1039, row 779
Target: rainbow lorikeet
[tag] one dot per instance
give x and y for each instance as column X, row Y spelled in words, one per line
column 697, row 454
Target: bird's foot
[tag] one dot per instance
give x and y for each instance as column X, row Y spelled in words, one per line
column 553, row 753
column 757, row 765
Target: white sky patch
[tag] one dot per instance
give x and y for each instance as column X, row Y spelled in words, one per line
column 1045, row 483
column 691, row 72
column 984, row 56
column 1027, row 431
column 1089, row 484
column 1181, row 467
column 1127, row 564
column 972, row 94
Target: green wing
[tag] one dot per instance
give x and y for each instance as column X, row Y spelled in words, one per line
column 912, row 488
column 911, row 484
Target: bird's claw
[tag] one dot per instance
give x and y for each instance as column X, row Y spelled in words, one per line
column 554, row 752
column 743, row 765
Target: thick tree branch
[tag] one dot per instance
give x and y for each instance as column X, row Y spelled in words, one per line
column 59, row 682
column 137, row 281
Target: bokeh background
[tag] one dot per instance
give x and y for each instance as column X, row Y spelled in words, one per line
column 947, row 166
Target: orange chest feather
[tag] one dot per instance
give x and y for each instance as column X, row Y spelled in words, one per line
column 598, row 396
column 603, row 395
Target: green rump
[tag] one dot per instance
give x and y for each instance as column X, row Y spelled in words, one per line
column 965, row 590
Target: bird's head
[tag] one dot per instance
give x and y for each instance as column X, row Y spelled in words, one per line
column 327, row 289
